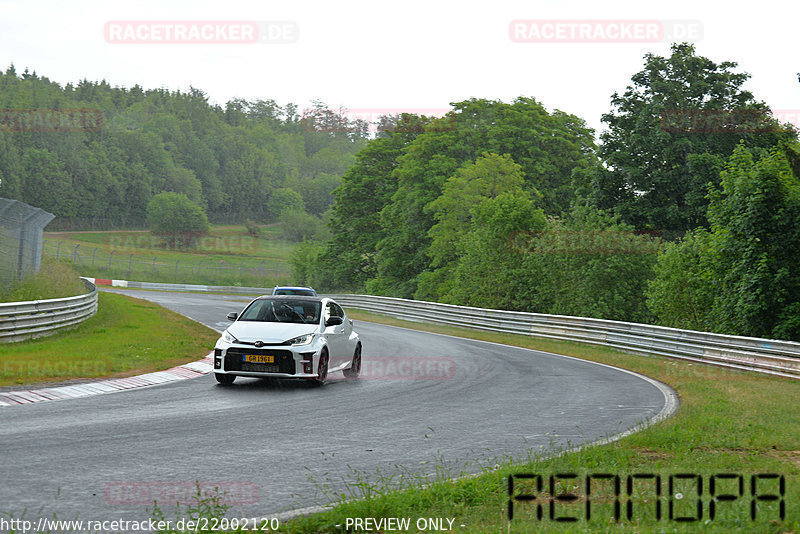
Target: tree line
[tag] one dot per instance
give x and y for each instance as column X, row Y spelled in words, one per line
column 685, row 214
column 247, row 160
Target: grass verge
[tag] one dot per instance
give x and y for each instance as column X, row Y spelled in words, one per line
column 734, row 423
column 227, row 255
column 54, row 280
column 127, row 336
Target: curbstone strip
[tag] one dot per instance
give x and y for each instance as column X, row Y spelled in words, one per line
column 181, row 372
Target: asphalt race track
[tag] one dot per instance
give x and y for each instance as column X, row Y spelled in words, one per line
column 428, row 401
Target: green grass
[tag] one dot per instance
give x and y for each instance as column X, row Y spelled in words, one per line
column 128, row 336
column 54, row 280
column 228, row 255
column 728, row 422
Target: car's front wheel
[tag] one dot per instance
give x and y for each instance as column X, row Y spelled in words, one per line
column 355, row 366
column 322, row 369
column 225, row 380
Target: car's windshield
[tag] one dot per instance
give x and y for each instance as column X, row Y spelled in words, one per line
column 282, row 311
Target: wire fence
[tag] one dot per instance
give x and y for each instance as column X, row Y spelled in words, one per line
column 21, row 228
column 97, row 262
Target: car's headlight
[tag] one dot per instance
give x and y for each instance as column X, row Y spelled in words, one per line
column 305, row 339
column 227, row 336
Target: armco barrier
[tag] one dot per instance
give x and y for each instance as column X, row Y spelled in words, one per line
column 769, row 356
column 157, row 286
column 37, row 318
column 775, row 357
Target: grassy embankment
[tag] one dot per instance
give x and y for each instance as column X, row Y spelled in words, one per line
column 728, row 422
column 54, row 280
column 228, row 255
column 127, row 337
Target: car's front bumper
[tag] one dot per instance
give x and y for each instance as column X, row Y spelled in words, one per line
column 287, row 362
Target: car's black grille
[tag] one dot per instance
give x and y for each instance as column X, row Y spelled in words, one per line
column 284, row 361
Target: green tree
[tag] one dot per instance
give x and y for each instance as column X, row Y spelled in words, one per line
column 176, row 218
column 681, row 295
column 486, row 177
column 741, row 277
column 588, row 264
column 489, row 273
column 549, row 147
column 11, row 170
column 228, row 160
column 670, row 134
column 283, row 200
column 756, row 243
column 305, row 261
column 366, row 188
column 298, row 225
column 47, row 185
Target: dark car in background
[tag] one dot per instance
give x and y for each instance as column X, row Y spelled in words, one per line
column 294, row 290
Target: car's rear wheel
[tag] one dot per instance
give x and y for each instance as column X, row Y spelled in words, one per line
column 355, row 366
column 322, row 368
column 225, row 380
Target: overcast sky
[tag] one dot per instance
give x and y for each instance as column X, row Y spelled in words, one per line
column 411, row 55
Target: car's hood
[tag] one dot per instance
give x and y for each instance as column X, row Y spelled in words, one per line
column 252, row 331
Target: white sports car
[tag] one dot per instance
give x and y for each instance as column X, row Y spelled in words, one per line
column 288, row 337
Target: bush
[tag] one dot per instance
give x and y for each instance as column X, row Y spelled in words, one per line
column 174, row 217
column 252, row 228
column 308, row 268
column 682, row 293
column 283, row 200
column 299, row 225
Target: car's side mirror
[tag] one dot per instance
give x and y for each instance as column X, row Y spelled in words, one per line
column 232, row 316
column 333, row 321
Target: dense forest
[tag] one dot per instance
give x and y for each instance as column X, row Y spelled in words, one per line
column 249, row 160
column 686, row 213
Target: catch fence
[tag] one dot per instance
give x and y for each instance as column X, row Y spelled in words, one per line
column 21, row 229
column 97, row 262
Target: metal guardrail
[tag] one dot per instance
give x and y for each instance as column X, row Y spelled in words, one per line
column 770, row 356
column 37, row 318
column 201, row 288
column 775, row 357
